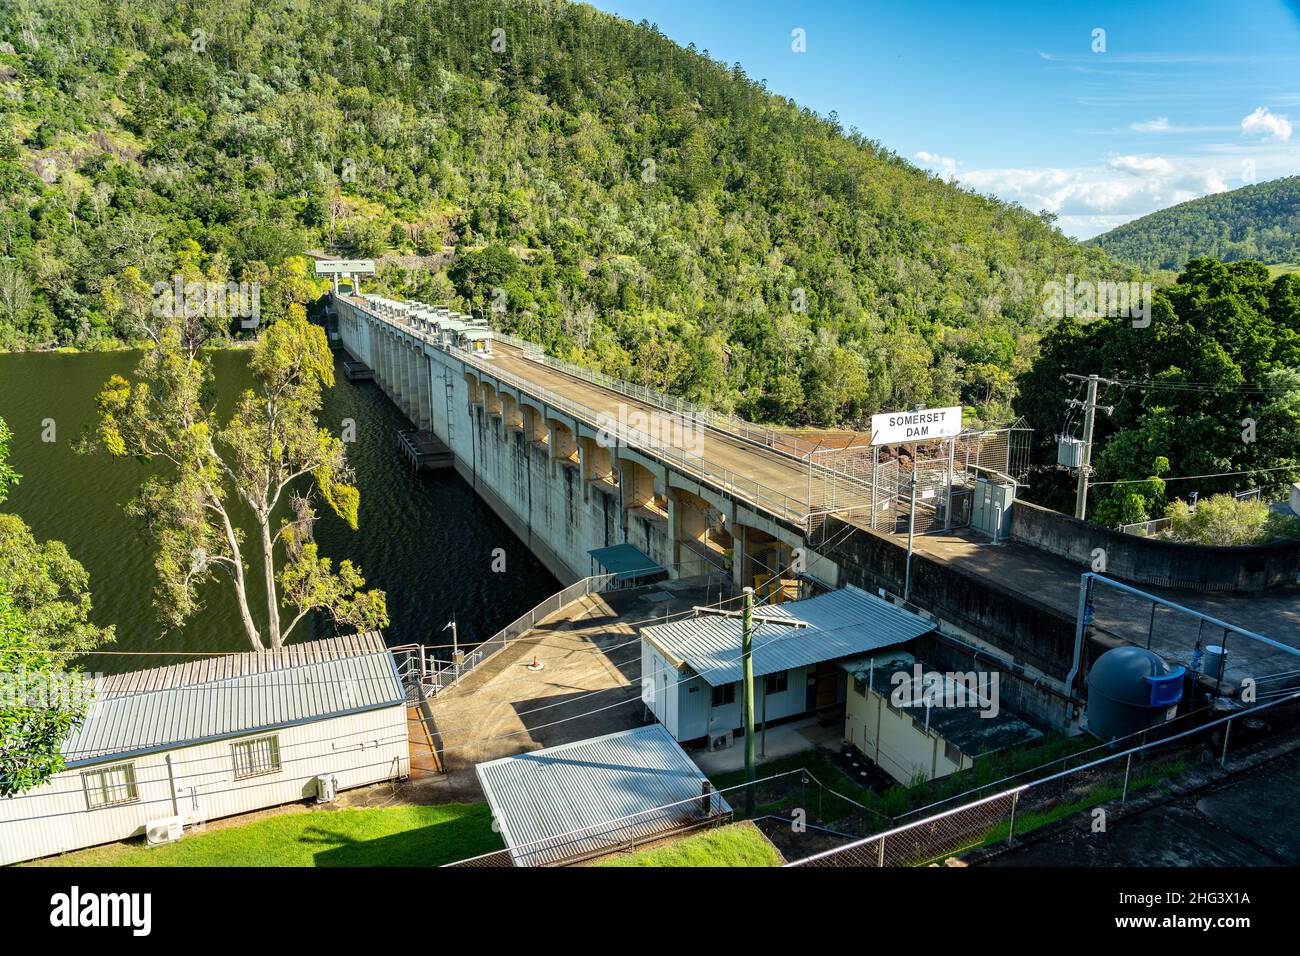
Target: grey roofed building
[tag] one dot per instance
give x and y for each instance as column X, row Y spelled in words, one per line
column 581, row 799
column 840, row 623
column 213, row 698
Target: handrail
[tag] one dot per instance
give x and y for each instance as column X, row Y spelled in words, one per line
column 1021, row 788
column 430, row 666
column 754, row 492
column 731, row 424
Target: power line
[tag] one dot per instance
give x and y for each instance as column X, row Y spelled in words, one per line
column 1221, row 474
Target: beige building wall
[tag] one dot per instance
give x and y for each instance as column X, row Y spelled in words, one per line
column 892, row 740
column 198, row 783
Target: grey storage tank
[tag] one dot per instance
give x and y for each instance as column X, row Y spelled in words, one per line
column 1129, row 690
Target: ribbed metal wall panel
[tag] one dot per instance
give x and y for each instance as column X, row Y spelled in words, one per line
column 356, row 750
column 571, row 801
column 131, row 719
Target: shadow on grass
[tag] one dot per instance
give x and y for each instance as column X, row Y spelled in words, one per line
column 433, row 845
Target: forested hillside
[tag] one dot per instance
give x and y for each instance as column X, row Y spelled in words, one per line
column 1211, row 387
column 636, row 206
column 1255, row 222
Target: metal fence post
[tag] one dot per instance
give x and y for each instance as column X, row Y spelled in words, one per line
column 1227, row 732
column 880, row 857
column 1011, row 827
column 1128, row 766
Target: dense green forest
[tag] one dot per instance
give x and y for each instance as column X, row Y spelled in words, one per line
column 1255, row 222
column 1211, row 385
column 636, row 206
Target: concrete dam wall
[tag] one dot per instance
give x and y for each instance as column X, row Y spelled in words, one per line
column 533, row 442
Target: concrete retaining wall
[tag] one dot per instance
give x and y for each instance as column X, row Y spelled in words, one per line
column 1169, row 564
column 1026, row 629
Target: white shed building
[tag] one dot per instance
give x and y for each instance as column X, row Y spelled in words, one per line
column 216, row 737
column 691, row 668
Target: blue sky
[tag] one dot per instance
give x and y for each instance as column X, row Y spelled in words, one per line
column 1178, row 101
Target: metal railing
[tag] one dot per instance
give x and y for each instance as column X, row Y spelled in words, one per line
column 626, row 833
column 761, row 496
column 432, row 675
column 859, row 479
column 994, row 818
column 1146, row 528
column 732, row 424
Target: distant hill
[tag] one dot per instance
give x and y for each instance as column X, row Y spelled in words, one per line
column 1255, row 222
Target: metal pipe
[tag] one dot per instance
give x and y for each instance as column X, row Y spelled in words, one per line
column 1080, row 628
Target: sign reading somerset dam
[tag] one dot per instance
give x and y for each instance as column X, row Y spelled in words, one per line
column 893, row 427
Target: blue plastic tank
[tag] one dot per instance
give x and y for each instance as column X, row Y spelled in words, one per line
column 1129, row 690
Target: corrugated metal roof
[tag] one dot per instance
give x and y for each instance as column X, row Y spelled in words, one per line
column 625, row 561
column 840, row 623
column 571, row 801
column 164, row 707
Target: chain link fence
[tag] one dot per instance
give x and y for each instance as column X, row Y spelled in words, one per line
column 1000, row 816
column 875, row 483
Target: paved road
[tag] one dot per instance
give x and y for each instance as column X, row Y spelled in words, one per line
column 1054, row 581
column 771, row 478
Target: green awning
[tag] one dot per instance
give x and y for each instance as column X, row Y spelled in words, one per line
column 625, row 561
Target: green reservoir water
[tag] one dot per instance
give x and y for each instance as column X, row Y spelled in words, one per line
column 426, row 539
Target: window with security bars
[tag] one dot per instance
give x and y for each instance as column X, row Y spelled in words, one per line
column 110, row 787
column 253, row 758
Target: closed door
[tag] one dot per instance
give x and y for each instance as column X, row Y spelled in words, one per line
column 826, row 674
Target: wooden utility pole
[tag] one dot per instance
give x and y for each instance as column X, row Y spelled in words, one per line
column 747, row 664
column 1085, row 467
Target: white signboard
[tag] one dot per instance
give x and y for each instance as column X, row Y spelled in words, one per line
column 893, row 428
column 365, row 267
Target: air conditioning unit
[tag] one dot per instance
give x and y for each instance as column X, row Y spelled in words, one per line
column 720, row 741
column 326, row 788
column 164, row 830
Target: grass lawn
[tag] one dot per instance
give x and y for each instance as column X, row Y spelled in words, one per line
column 1284, row 268
column 393, row 836
column 738, row 844
column 897, row 799
column 1111, row 789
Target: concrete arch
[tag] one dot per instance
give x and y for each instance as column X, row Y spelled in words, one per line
column 564, row 446
column 491, row 399
column 511, row 413
column 535, row 431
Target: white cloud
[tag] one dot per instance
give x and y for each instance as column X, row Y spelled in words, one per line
column 1158, row 125
column 1274, row 128
column 1142, row 165
column 1091, row 199
column 945, row 164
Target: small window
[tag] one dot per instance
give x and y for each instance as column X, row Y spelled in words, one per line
column 778, row 683
column 724, row 695
column 256, row 757
column 859, row 687
column 951, row 753
column 110, row 787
